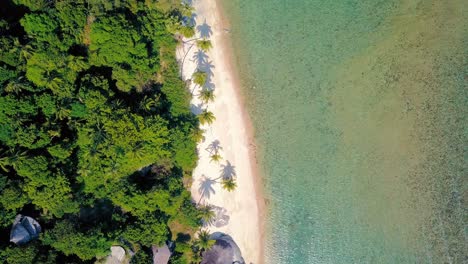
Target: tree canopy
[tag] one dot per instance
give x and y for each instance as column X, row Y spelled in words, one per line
column 96, row 133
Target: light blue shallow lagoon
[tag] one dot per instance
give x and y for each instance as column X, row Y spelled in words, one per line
column 360, row 115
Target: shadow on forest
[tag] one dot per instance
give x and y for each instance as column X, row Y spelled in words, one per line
column 183, row 238
column 228, row 171
column 205, row 30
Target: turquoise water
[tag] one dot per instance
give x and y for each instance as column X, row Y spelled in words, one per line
column 360, row 110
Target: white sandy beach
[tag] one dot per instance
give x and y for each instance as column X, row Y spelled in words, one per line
column 231, row 129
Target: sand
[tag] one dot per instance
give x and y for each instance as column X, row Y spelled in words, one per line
column 232, row 129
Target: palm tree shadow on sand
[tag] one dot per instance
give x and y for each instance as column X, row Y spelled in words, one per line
column 205, row 189
column 207, row 67
column 214, row 147
column 228, row 171
column 200, row 57
column 190, row 20
column 204, row 30
column 196, row 109
column 209, row 86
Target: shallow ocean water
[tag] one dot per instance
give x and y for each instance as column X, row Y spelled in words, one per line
column 360, row 113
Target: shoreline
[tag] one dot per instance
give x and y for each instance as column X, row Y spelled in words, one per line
column 235, row 133
column 250, row 132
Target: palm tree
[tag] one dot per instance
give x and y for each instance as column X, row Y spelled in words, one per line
column 206, row 117
column 54, row 83
column 187, row 31
column 15, row 86
column 196, row 258
column 197, row 135
column 26, row 51
column 11, row 159
column 62, row 113
column 186, row 10
column 206, row 96
column 204, row 44
column 204, row 240
column 216, row 157
column 4, row 162
column 206, row 214
column 229, row 184
column 199, row 77
column 147, row 103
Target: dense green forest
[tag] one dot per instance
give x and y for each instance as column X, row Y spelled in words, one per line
column 97, row 141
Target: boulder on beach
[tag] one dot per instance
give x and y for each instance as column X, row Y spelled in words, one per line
column 225, row 250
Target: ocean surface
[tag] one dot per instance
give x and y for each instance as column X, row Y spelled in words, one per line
column 360, row 113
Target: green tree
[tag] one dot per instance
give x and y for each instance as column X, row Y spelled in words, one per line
column 216, row 157
column 206, row 117
column 198, row 135
column 91, row 96
column 206, row 96
column 204, row 44
column 141, row 257
column 199, row 78
column 19, row 255
column 204, row 241
column 206, row 213
column 65, row 238
column 229, row 184
column 147, row 231
column 34, row 5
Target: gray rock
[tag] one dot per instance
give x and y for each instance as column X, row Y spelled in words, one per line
column 224, row 251
column 24, row 229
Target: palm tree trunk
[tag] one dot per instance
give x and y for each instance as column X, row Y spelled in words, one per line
column 193, row 90
column 199, row 200
column 183, row 60
column 190, row 40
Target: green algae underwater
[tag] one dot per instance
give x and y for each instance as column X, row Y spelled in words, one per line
column 360, row 113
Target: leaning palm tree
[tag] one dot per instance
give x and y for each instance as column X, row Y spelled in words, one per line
column 229, row 184
column 206, row 117
column 204, row 240
column 199, row 77
column 62, row 113
column 206, row 96
column 216, row 158
column 197, row 135
column 204, row 44
column 206, row 214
